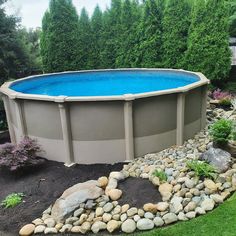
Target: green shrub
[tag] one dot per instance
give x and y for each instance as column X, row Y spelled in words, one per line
column 161, row 175
column 202, row 169
column 225, row 102
column 12, row 200
column 234, row 132
column 221, row 131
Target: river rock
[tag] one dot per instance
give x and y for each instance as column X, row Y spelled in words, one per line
column 73, row 197
column 149, row 207
column 27, row 230
column 176, row 204
column 165, row 191
column 108, row 207
column 207, row 204
column 39, row 229
column 218, row 158
column 162, row 206
column 170, row 218
column 132, row 211
column 112, row 226
column 98, row 226
column 50, row 231
column 129, row 226
column 103, row 181
column 145, row 224
column 158, row 221
column 115, row 194
column 117, row 175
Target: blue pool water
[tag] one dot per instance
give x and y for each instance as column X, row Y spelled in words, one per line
column 105, row 83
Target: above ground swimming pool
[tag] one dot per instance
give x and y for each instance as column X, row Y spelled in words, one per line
column 106, row 116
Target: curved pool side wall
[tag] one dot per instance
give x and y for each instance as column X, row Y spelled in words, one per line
column 107, row 129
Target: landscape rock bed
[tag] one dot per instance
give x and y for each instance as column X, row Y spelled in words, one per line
column 183, row 196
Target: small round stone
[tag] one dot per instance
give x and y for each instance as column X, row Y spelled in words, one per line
column 158, row 221
column 129, row 226
column 27, row 230
column 145, row 224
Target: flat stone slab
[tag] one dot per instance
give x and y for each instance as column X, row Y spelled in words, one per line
column 73, row 197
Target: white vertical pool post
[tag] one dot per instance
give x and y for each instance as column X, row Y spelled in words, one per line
column 66, row 130
column 204, row 107
column 20, row 118
column 180, row 119
column 129, row 133
column 9, row 119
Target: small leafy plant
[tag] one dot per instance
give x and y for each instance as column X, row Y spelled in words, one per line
column 225, row 102
column 161, row 175
column 14, row 157
column 221, row 131
column 202, row 169
column 12, row 200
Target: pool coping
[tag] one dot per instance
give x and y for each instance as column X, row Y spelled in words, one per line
column 5, row 88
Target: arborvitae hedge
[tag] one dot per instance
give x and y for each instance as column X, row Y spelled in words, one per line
column 188, row 34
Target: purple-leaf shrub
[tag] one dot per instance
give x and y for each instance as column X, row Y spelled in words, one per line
column 220, row 95
column 15, row 157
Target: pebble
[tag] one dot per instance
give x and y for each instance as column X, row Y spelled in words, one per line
column 158, row 221
column 103, row 181
column 115, row 194
column 39, row 229
column 50, row 231
column 50, row 222
column 145, row 224
column 207, row 204
column 108, row 207
column 132, row 211
column 27, row 230
column 129, row 226
column 170, row 218
column 149, row 207
column 112, row 226
column 148, row 215
column 98, row 226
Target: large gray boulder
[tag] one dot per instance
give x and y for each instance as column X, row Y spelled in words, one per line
column 73, row 197
column 218, row 158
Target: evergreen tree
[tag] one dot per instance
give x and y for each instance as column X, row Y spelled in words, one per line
column 14, row 56
column 44, row 42
column 176, row 24
column 208, row 42
column 149, row 52
column 129, row 21
column 97, row 33
column 84, row 40
column 59, row 44
column 111, row 34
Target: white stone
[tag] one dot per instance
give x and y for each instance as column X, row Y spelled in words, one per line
column 78, row 212
column 200, row 211
column 145, row 224
column 158, row 221
column 182, row 216
column 50, row 231
column 117, row 175
column 170, row 218
column 39, row 229
column 108, row 207
column 123, row 217
column 129, row 226
column 132, row 211
column 176, row 204
column 112, row 226
column 207, row 204
column 98, row 226
column 99, row 211
column 50, row 222
column 191, row 214
column 148, row 215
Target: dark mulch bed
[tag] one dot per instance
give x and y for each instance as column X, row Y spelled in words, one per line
column 138, row 191
column 42, row 188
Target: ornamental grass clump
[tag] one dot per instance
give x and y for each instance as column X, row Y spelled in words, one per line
column 12, row 200
column 202, row 169
column 15, row 157
column 221, row 131
column 161, row 175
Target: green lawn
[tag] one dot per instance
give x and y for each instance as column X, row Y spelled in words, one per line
column 220, row 222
